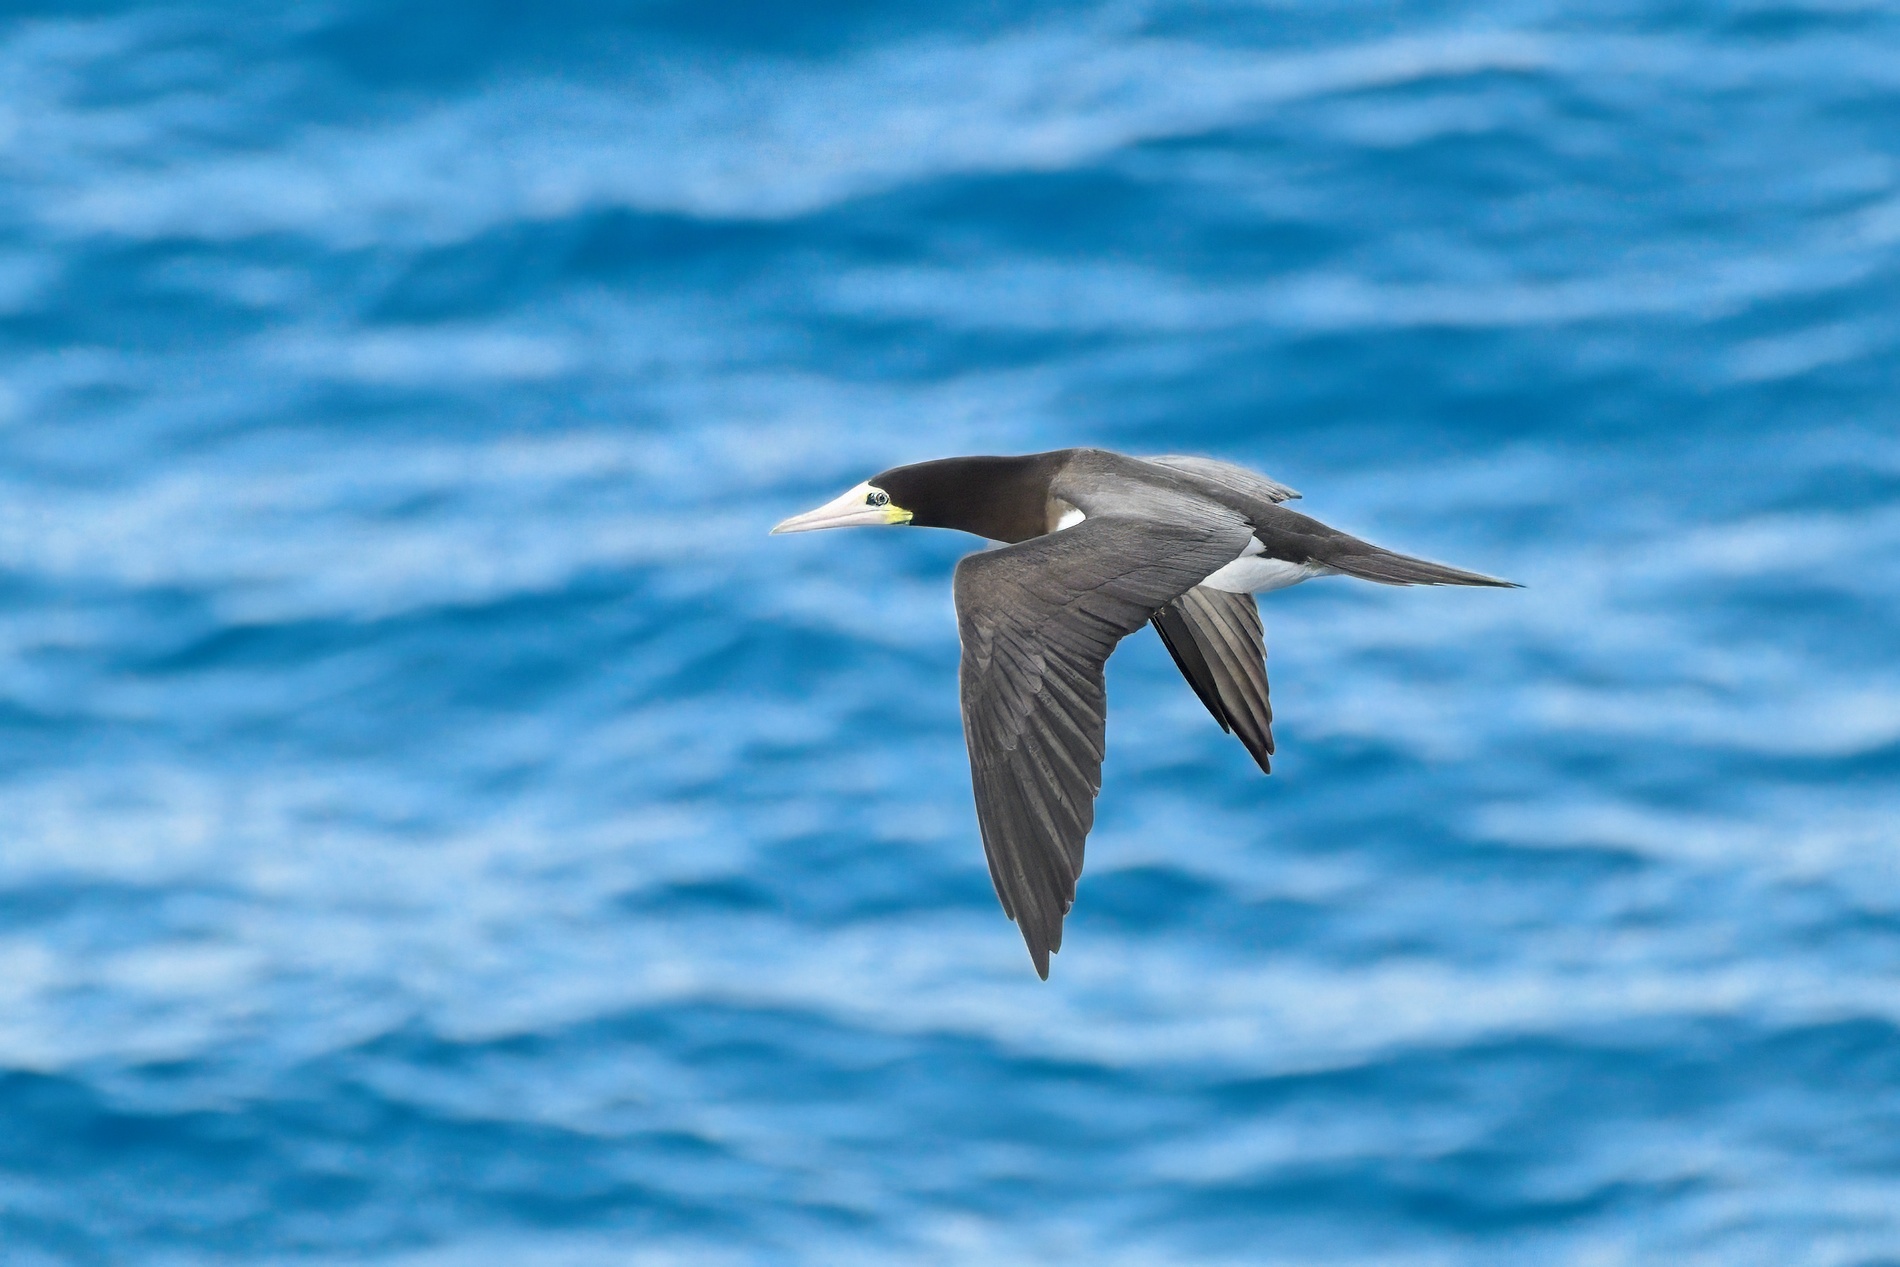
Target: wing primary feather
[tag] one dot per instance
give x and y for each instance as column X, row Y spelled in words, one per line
column 1238, row 619
column 1221, row 649
column 1178, row 638
column 1247, row 650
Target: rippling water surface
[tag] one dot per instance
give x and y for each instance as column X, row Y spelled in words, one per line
column 440, row 828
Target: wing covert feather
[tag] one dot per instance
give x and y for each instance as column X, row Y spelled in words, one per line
column 1227, row 476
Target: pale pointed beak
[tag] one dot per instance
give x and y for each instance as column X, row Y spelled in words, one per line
column 848, row 510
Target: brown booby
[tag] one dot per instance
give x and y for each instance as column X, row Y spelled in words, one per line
column 1097, row 544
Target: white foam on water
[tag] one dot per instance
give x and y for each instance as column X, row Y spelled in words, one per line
column 1036, row 295
column 771, row 139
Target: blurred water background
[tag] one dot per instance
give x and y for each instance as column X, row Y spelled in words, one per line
column 438, row 827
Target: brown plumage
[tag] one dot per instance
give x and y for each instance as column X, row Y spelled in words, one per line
column 1099, row 544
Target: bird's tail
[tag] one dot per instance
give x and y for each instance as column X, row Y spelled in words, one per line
column 1373, row 563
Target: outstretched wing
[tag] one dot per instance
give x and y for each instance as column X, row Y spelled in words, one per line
column 1216, row 639
column 1038, row 620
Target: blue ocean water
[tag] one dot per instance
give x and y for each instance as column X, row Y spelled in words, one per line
column 438, row 827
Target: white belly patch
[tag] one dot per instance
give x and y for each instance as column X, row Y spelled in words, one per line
column 1250, row 574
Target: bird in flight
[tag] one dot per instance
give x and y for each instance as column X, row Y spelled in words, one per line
column 1095, row 545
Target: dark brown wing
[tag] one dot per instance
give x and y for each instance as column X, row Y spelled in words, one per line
column 1038, row 621
column 1216, row 639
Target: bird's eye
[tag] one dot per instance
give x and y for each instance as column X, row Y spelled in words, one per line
column 877, row 497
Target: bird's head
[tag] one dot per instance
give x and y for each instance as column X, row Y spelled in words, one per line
column 863, row 505
column 1001, row 498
